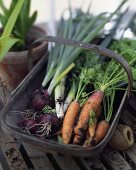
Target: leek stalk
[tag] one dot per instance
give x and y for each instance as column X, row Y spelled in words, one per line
column 59, row 98
column 70, row 97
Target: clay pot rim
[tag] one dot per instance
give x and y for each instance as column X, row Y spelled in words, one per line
column 23, row 54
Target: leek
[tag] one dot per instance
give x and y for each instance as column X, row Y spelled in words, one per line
column 70, row 55
column 59, row 97
column 70, row 97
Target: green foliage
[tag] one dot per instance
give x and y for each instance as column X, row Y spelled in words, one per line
column 92, row 118
column 5, row 44
column 60, row 140
column 108, row 105
column 23, row 23
column 85, row 77
column 48, row 109
column 6, row 40
column 127, row 49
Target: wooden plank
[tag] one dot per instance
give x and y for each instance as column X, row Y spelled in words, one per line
column 3, row 161
column 66, row 162
column 1, row 167
column 113, row 160
column 11, row 153
column 131, row 153
column 82, row 163
column 94, row 163
column 85, row 163
column 128, row 119
column 38, row 158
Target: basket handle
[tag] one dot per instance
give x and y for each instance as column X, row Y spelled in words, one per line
column 96, row 48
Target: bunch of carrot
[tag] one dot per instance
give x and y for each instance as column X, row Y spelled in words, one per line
column 91, row 127
column 86, row 125
column 88, row 130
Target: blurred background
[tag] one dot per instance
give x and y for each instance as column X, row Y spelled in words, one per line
column 50, row 11
column 49, row 8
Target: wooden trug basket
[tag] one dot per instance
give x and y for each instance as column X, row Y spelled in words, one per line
column 33, row 81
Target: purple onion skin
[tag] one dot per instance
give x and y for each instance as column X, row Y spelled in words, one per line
column 44, row 119
column 55, row 120
column 20, row 123
column 46, row 94
column 49, row 100
column 49, row 118
column 55, row 129
column 37, row 91
column 38, row 102
column 40, row 99
column 29, row 124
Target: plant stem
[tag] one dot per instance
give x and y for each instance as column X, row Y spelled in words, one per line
column 58, row 77
column 110, row 106
column 71, row 96
column 49, row 74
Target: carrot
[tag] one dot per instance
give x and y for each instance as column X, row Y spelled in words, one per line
column 93, row 121
column 101, row 131
column 89, row 107
column 98, row 111
column 91, row 132
column 88, row 142
column 69, row 121
column 92, row 126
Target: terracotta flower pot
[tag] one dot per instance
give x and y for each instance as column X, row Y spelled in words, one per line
column 14, row 67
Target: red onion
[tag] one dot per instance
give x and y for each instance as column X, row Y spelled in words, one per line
column 49, row 118
column 40, row 99
column 30, row 125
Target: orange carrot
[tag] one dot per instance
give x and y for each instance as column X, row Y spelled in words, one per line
column 101, row 131
column 88, row 142
column 69, row 120
column 98, row 111
column 92, row 127
column 91, row 132
column 93, row 121
column 89, row 107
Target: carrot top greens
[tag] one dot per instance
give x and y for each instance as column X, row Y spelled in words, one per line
column 112, row 76
column 127, row 49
